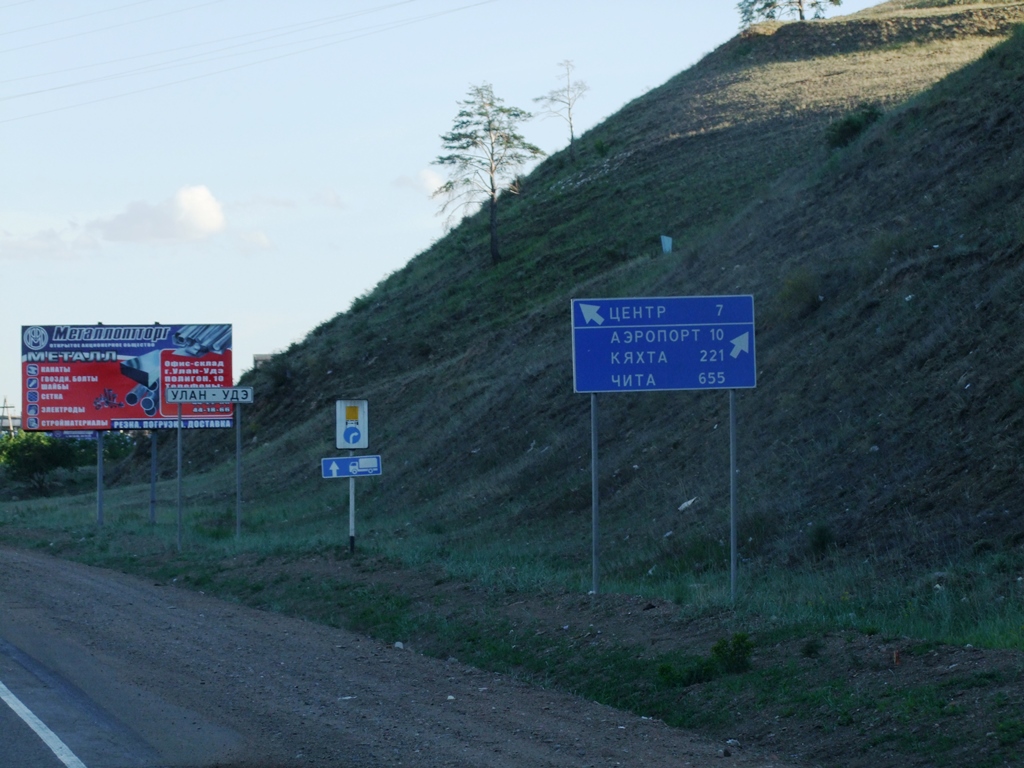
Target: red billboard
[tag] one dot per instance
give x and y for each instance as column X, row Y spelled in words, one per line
column 86, row 377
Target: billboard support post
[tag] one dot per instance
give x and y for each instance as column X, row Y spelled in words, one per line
column 152, row 477
column 99, row 479
column 179, row 477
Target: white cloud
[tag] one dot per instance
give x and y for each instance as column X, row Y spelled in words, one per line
column 192, row 214
column 331, row 199
column 46, row 244
column 263, row 201
column 426, row 181
column 256, row 240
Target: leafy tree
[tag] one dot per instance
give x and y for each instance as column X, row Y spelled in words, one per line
column 485, row 151
column 562, row 101
column 766, row 10
column 116, row 445
column 31, row 456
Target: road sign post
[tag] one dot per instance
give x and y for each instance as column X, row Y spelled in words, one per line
column 238, row 471
column 353, row 432
column 652, row 344
column 351, row 512
column 215, row 397
column 179, row 477
column 351, row 467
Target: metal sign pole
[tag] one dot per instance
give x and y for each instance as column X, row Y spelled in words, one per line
column 594, row 517
column 351, row 512
column 238, row 471
column 732, row 494
column 179, row 477
column 99, row 479
column 152, row 477
column 721, row 356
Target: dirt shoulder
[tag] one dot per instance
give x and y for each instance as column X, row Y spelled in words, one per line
column 299, row 693
column 857, row 699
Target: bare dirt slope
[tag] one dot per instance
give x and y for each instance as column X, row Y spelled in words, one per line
column 277, row 691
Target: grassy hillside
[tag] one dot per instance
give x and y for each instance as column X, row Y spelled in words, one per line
column 884, row 276
column 883, row 273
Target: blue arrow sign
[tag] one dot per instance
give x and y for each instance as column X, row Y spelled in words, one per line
column 663, row 343
column 350, row 466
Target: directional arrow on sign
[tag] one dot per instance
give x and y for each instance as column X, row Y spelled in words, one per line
column 334, row 469
column 590, row 313
column 740, row 344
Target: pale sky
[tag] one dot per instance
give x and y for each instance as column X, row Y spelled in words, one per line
column 262, row 163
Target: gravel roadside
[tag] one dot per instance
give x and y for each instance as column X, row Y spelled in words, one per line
column 209, row 683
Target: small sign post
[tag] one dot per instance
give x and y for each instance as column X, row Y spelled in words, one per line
column 353, row 432
column 351, row 466
column 652, row 344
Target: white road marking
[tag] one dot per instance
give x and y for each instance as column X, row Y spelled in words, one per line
column 58, row 747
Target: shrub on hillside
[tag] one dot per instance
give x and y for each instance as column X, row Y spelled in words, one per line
column 800, row 294
column 843, row 131
column 733, row 655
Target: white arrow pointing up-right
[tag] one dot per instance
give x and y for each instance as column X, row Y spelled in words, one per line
column 590, row 314
column 740, row 344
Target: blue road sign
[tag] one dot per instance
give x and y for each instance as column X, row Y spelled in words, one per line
column 350, row 466
column 663, row 343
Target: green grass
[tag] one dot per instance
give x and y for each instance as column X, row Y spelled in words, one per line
column 715, row 688
column 975, row 600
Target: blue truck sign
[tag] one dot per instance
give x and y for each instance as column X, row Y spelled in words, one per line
column 651, row 344
column 350, row 466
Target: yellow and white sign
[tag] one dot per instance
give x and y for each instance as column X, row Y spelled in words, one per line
column 353, row 424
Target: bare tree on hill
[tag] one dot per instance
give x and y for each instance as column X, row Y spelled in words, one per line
column 562, row 101
column 485, row 151
column 752, row 11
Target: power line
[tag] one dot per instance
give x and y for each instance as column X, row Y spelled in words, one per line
column 204, row 58
column 108, row 27
column 73, row 18
column 381, row 29
column 268, row 34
